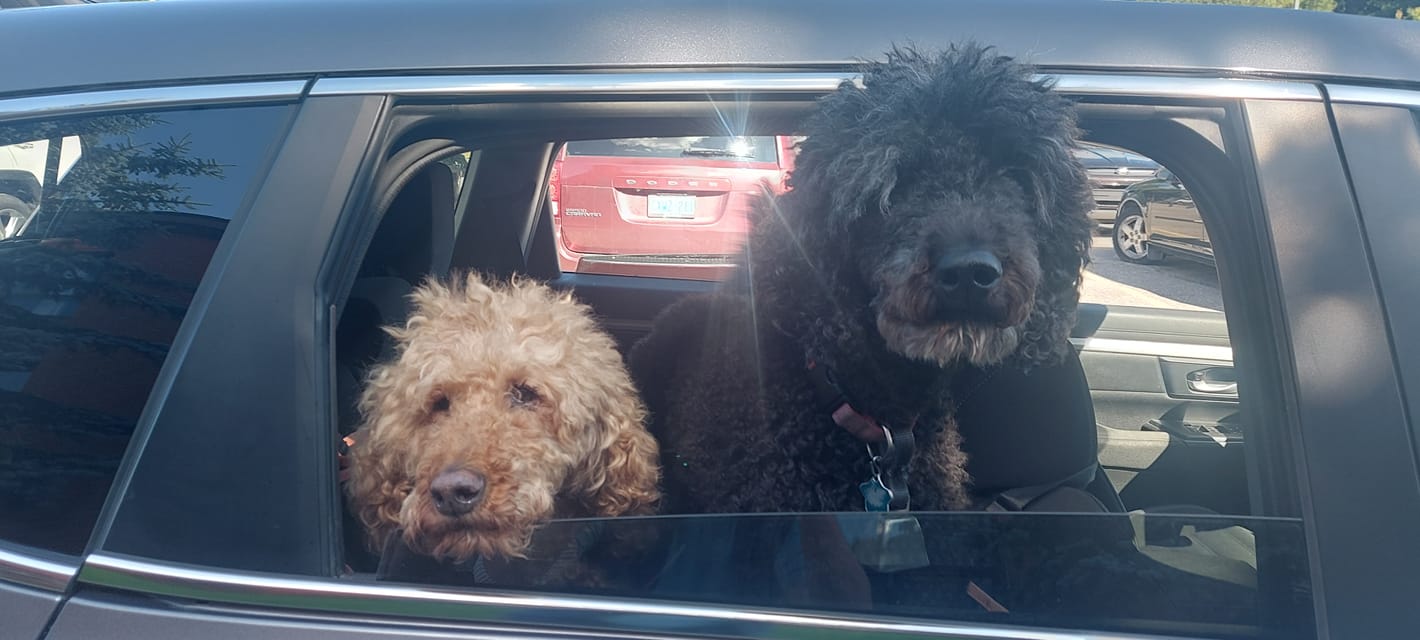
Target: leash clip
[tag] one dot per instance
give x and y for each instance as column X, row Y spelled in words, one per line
column 890, row 493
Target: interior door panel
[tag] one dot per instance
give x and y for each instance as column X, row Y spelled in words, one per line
column 1166, row 402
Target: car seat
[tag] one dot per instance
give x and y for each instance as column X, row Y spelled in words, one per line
column 1031, row 439
column 1032, row 443
column 415, row 238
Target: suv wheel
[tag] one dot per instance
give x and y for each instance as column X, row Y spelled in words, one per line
column 1131, row 239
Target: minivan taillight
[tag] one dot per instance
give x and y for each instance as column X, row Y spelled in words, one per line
column 554, row 187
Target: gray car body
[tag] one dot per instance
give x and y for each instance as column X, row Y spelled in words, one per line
column 1345, row 294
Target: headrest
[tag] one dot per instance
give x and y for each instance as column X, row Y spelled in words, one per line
column 416, row 233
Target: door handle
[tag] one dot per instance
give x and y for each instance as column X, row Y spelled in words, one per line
column 1213, row 381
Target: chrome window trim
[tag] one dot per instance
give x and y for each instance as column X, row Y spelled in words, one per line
column 1153, row 348
column 33, row 571
column 62, row 104
column 650, row 83
column 1356, row 94
column 517, row 609
column 581, row 83
column 1185, row 87
column 653, row 83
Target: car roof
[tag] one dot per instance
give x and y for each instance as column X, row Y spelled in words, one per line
column 174, row 41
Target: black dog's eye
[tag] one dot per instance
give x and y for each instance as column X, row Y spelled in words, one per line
column 522, row 395
column 438, row 404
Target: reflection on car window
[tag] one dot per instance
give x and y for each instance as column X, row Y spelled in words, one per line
column 1175, row 573
column 23, row 168
column 93, row 286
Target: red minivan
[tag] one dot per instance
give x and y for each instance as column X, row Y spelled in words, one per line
column 667, row 207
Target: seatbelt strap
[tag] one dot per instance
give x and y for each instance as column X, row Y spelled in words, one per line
column 1021, row 498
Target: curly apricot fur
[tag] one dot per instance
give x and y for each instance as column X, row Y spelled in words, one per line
column 576, row 448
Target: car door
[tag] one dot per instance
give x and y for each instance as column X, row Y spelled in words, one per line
column 1170, row 215
column 32, row 585
column 97, row 282
column 225, row 516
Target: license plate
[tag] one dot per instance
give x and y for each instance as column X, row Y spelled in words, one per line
column 678, row 207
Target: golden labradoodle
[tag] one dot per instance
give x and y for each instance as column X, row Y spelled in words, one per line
column 504, row 406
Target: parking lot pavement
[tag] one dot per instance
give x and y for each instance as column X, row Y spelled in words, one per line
column 1174, row 283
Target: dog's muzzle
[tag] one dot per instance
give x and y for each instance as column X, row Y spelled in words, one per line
column 965, row 280
column 455, row 492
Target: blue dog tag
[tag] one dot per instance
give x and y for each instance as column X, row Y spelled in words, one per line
column 876, row 496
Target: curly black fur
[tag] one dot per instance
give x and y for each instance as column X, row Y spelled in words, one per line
column 932, row 154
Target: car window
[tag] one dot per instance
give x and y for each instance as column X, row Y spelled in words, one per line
column 667, row 206
column 93, row 285
column 1184, row 553
column 460, row 164
column 23, row 172
column 739, row 148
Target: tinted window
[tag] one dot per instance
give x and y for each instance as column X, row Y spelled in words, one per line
column 93, row 286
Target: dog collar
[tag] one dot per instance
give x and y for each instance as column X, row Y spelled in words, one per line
column 887, row 489
column 835, row 402
column 342, row 456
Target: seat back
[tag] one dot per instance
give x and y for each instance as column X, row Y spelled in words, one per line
column 415, row 239
column 1031, row 438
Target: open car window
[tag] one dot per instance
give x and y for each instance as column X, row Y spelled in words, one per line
column 1183, row 551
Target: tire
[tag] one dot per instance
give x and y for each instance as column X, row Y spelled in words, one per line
column 13, row 212
column 1130, row 237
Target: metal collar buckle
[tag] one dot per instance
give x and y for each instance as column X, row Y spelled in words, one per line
column 887, row 489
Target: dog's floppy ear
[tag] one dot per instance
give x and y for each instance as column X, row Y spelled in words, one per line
column 1055, row 180
column 855, row 172
column 375, row 488
column 863, row 185
column 1063, row 198
column 625, row 478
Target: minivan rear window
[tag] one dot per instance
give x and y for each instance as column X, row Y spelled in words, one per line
column 740, row 148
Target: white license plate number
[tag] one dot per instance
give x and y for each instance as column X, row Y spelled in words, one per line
column 676, row 207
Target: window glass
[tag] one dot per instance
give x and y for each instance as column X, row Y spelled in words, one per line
column 1181, row 552
column 746, row 148
column 121, row 214
column 1103, row 573
column 660, row 207
column 459, row 164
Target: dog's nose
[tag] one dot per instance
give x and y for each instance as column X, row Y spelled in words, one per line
column 968, row 270
column 456, row 491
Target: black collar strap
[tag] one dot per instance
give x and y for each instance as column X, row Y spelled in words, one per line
column 887, row 489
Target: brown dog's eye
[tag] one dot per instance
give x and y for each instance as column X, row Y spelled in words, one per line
column 522, row 395
column 439, row 404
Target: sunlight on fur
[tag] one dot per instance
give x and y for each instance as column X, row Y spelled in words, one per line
column 504, row 405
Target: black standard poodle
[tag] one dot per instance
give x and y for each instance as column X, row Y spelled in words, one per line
column 936, row 220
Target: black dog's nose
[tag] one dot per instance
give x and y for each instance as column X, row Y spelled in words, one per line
column 968, row 270
column 456, row 491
